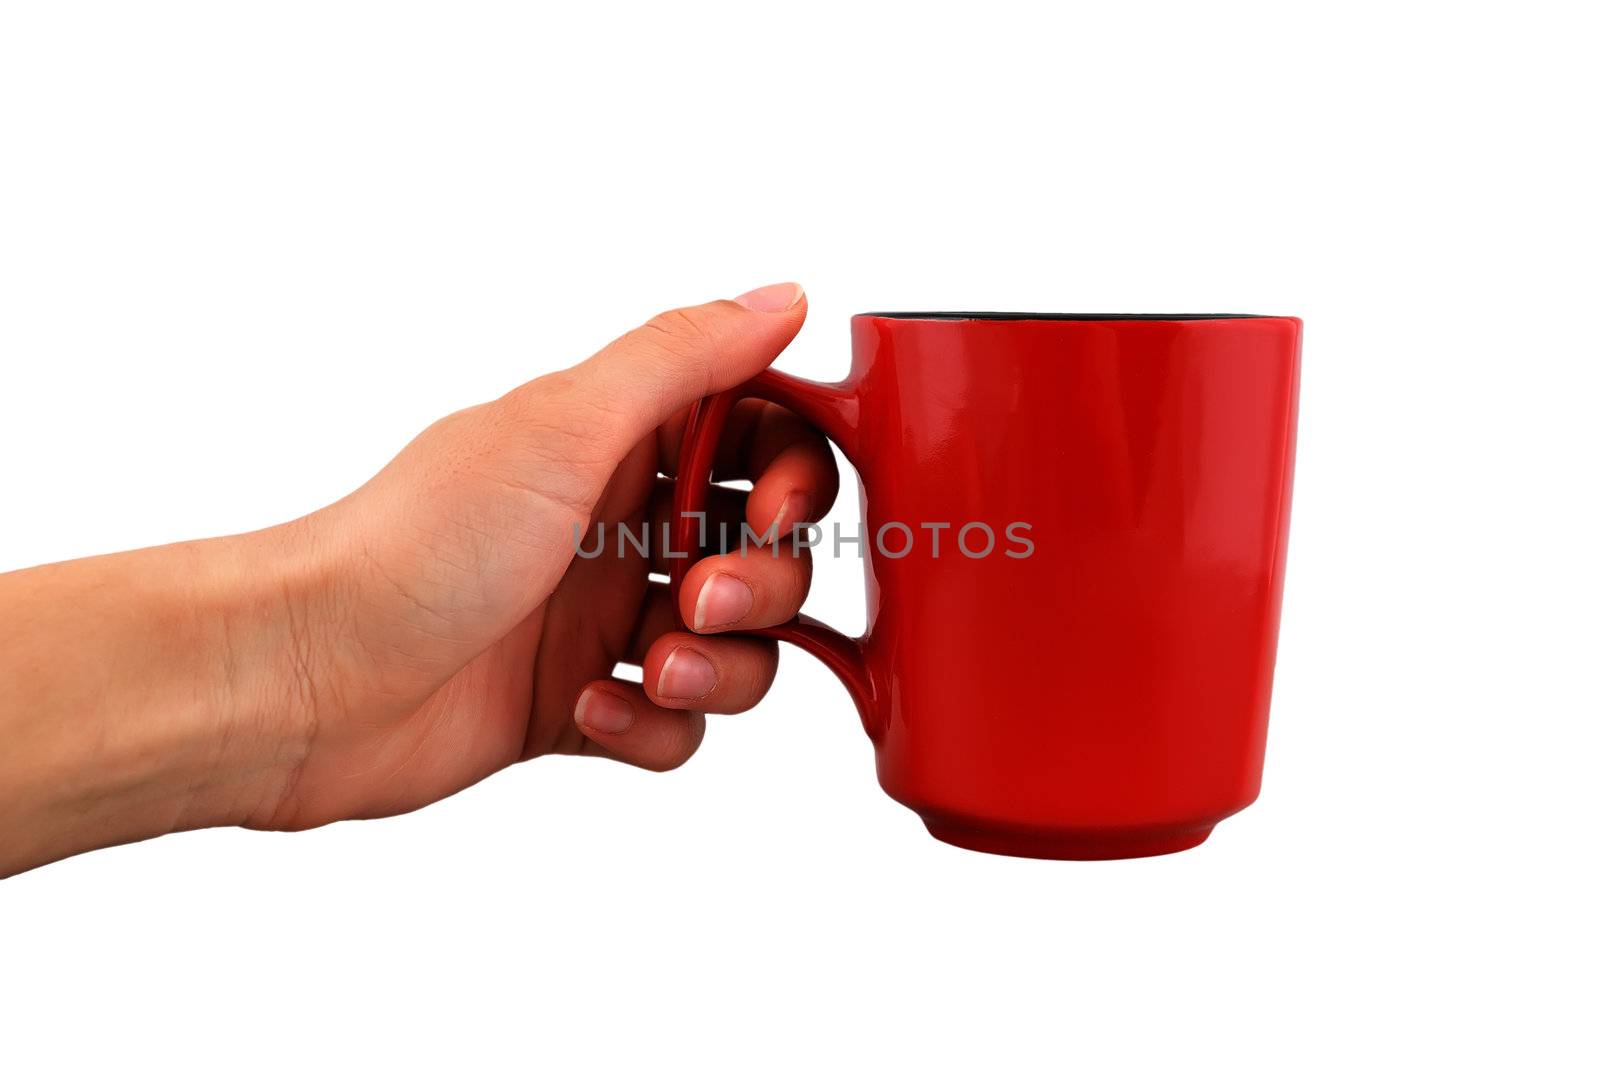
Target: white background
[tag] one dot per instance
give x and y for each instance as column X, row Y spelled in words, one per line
column 247, row 250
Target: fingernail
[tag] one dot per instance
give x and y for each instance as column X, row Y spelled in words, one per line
column 779, row 297
column 723, row 600
column 686, row 674
column 796, row 508
column 603, row 712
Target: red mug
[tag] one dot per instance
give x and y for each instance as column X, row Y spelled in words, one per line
column 1093, row 683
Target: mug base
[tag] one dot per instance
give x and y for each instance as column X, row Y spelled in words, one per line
column 1072, row 846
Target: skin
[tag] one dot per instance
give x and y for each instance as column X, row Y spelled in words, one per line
column 431, row 628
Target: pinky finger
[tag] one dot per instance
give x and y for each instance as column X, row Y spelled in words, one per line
column 620, row 722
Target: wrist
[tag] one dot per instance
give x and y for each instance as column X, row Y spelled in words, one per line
column 253, row 618
column 152, row 691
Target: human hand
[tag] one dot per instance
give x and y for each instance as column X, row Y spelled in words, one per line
column 429, row 629
column 453, row 630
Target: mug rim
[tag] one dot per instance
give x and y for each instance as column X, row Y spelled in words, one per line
column 1078, row 317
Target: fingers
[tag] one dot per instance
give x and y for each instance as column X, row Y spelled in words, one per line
column 621, row 723
column 755, row 432
column 795, row 479
column 725, row 514
column 629, row 388
column 751, row 589
column 659, row 725
column 797, row 485
column 727, row 675
column 724, row 674
column 656, row 619
column 794, row 475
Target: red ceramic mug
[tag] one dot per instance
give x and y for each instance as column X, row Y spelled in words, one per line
column 1095, row 683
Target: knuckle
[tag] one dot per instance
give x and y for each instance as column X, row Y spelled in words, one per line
column 794, row 579
column 681, row 332
column 552, row 386
column 564, row 449
column 678, row 340
column 744, row 665
column 680, row 745
column 564, row 402
column 756, row 676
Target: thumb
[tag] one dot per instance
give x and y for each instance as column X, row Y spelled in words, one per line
column 474, row 523
column 622, row 393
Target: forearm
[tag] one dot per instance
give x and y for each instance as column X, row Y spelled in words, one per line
column 146, row 692
column 420, row 634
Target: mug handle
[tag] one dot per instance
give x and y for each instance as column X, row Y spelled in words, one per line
column 830, row 407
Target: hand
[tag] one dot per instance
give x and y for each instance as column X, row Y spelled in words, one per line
column 437, row 625
column 455, row 632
